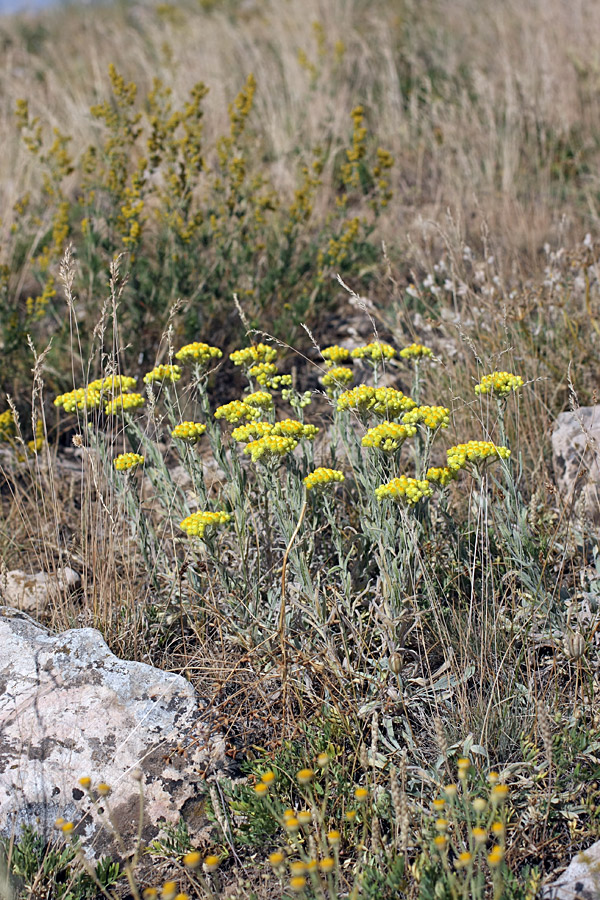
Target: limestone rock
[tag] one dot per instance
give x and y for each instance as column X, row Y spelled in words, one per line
column 34, row 593
column 581, row 880
column 70, row 708
column 576, row 457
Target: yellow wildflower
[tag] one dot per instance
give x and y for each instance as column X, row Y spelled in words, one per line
column 431, row 416
column 416, row 351
column 251, row 432
column 376, row 351
column 261, row 399
column 294, row 429
column 121, row 384
column 123, row 403
column 235, row 411
column 321, row 477
column 336, row 378
column 388, row 437
column 128, row 461
column 387, row 403
column 270, row 447
column 408, row 490
column 198, row 352
column 250, row 356
column 440, row 475
column 500, row 384
column 474, row 452
column 163, row 373
column 335, row 354
column 190, row 432
column 80, row 398
column 196, row 524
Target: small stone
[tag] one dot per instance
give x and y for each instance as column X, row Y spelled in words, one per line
column 33, row 593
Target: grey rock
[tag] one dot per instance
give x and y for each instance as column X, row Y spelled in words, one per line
column 576, row 457
column 34, row 593
column 70, row 708
column 580, row 881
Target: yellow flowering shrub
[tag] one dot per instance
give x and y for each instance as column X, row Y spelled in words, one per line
column 321, row 477
column 128, row 461
column 499, row 384
column 431, row 417
column 198, row 352
column 376, row 351
column 235, row 411
column 388, row 436
column 270, row 448
column 124, row 403
column 189, row 432
column 404, row 489
column 474, row 452
column 163, row 373
column 196, row 524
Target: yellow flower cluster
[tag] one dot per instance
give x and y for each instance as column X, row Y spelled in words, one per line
column 431, row 416
column 190, row 432
column 251, row 432
column 441, row 476
column 163, row 373
column 80, row 398
column 387, row 403
column 124, row 402
column 196, row 524
column 7, row 425
column 235, row 411
column 260, row 399
column 375, row 351
column 321, row 477
column 337, row 377
column 113, row 384
column 270, row 447
column 474, row 452
column 294, row 429
column 128, row 461
column 250, row 356
column 335, row 354
column 198, row 352
column 499, row 383
column 408, row 490
column 389, row 436
column 266, row 375
column 416, row 351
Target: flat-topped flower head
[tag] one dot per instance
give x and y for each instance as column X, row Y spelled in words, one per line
column 196, row 524
column 189, row 432
column 270, row 448
column 255, row 353
column 163, row 373
column 322, row 477
column 474, row 453
column 236, row 411
column 7, row 424
column 260, row 399
column 336, row 379
column 335, row 354
column 375, row 351
column 200, row 353
column 441, row 475
column 80, row 398
column 251, row 432
column 388, row 437
column 387, row 403
column 124, row 403
column 113, row 384
column 500, row 384
column 128, row 461
column 416, row 351
column 404, row 490
column 266, row 375
column 431, row 417
column 294, row 429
